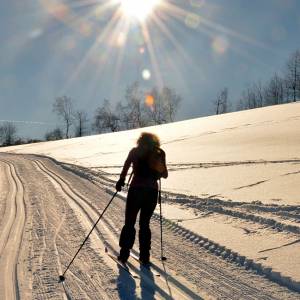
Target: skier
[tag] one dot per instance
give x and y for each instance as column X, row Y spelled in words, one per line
column 148, row 161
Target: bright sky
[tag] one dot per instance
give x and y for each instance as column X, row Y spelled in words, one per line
column 91, row 50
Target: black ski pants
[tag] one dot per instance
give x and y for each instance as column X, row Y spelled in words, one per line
column 143, row 200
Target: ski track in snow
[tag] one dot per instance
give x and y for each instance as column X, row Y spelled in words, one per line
column 275, row 218
column 88, row 210
column 11, row 234
column 278, row 217
column 61, row 207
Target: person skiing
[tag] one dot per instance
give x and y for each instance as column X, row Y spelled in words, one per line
column 148, row 161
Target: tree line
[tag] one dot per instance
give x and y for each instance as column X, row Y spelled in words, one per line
column 8, row 135
column 279, row 89
column 158, row 106
column 138, row 109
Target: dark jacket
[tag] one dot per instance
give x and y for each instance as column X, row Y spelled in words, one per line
column 148, row 167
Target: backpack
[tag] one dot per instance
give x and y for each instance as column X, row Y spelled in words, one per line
column 151, row 164
column 156, row 162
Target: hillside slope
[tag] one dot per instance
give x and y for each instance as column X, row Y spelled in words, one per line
column 234, row 181
column 260, row 145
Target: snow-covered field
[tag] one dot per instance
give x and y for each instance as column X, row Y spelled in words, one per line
column 245, row 156
column 233, row 179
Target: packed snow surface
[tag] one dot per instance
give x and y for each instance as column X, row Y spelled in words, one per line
column 251, row 155
column 233, row 178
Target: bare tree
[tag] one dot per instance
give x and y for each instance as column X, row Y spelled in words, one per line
column 221, row 104
column 63, row 107
column 162, row 106
column 258, row 94
column 8, row 133
column 240, row 105
column 134, row 106
column 293, row 75
column 124, row 116
column 105, row 120
column 171, row 101
column 274, row 91
column 154, row 108
column 138, row 110
column 277, row 90
column 252, row 97
column 53, row 135
column 21, row 141
column 81, row 120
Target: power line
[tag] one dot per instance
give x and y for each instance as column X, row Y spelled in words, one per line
column 27, row 122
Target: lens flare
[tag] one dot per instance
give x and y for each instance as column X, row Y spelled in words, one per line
column 220, row 45
column 146, row 74
column 119, row 40
column 58, row 10
column 192, row 20
column 85, row 29
column 108, row 25
column 142, row 50
column 149, row 100
column 35, row 33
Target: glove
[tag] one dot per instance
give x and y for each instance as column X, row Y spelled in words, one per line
column 119, row 184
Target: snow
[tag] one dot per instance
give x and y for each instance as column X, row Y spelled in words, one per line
column 240, row 156
column 251, row 240
column 245, row 162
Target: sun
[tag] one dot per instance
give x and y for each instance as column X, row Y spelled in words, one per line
column 138, row 9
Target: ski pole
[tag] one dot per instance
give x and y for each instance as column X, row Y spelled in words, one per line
column 62, row 277
column 160, row 218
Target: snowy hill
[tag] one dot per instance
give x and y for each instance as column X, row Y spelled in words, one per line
column 237, row 156
column 234, row 178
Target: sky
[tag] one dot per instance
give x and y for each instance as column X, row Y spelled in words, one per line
column 92, row 50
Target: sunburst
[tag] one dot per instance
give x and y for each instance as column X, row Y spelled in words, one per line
column 139, row 9
column 109, row 23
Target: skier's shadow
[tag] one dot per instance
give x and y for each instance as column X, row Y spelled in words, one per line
column 147, row 284
column 126, row 285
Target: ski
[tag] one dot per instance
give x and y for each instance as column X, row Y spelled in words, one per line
column 145, row 266
column 124, row 266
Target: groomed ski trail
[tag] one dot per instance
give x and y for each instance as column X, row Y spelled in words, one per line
column 61, row 207
column 89, row 214
column 12, row 226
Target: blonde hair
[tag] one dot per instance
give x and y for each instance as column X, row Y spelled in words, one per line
column 148, row 140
